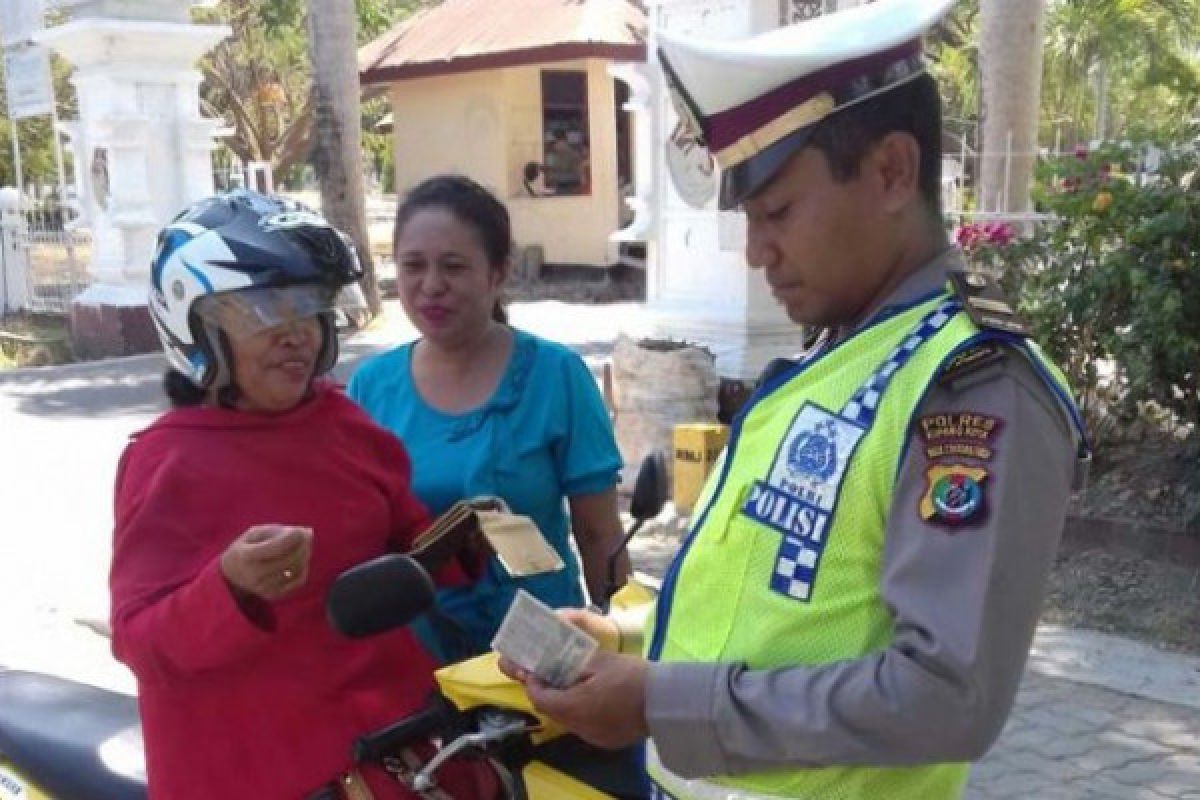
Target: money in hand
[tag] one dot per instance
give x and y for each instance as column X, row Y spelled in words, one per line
column 540, row 642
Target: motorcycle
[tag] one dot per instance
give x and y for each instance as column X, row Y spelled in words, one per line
column 479, row 712
column 62, row 740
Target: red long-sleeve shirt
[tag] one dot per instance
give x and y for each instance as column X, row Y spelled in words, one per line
column 235, row 707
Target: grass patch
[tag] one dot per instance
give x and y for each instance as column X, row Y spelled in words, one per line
column 34, row 340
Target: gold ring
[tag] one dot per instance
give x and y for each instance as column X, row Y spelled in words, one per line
column 288, row 574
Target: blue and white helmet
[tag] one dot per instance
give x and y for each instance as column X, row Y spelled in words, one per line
column 260, row 253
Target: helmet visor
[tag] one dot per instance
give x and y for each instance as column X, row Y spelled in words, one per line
column 351, row 306
column 244, row 312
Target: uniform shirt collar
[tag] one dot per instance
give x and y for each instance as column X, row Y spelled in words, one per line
column 922, row 282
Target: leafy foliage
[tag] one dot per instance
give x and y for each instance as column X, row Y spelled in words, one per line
column 1132, row 60
column 259, row 79
column 37, row 154
column 1160, row 347
column 1111, row 283
column 1129, row 61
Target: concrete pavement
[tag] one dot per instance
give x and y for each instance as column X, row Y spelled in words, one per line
column 1097, row 716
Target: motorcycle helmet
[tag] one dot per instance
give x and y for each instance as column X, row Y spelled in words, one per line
column 237, row 263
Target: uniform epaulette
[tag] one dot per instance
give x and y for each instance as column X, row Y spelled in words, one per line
column 970, row 360
column 985, row 303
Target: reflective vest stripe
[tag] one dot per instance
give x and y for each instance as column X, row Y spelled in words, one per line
column 672, row 787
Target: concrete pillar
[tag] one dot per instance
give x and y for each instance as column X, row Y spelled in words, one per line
column 142, row 150
column 15, row 294
column 698, row 286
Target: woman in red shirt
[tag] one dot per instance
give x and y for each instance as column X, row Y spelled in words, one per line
column 237, row 509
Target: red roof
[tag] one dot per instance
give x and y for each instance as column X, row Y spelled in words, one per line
column 467, row 35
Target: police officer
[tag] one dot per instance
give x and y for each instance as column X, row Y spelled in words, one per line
column 851, row 612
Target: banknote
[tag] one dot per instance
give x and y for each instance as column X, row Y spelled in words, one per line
column 538, row 641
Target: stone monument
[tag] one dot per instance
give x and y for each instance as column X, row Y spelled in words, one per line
column 142, row 150
column 698, row 287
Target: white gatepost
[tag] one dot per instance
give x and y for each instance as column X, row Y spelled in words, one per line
column 142, row 149
column 15, row 294
column 259, row 177
column 698, row 286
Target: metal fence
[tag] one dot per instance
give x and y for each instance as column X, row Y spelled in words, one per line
column 57, row 266
column 46, row 260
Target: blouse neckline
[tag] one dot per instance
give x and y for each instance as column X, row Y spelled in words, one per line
column 505, row 396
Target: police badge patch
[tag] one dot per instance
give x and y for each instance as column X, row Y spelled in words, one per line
column 798, row 497
column 954, row 494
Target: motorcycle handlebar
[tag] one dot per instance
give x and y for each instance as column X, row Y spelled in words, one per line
column 421, row 726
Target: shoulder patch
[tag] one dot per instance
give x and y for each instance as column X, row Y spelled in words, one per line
column 970, row 360
column 985, row 303
column 959, row 434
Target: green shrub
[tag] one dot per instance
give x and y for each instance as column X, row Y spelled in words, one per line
column 1110, row 284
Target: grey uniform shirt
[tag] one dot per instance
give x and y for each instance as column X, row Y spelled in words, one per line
column 965, row 602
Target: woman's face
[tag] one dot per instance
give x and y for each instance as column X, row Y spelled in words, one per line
column 273, row 368
column 447, row 284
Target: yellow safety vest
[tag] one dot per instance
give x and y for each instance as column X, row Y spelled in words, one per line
column 783, row 564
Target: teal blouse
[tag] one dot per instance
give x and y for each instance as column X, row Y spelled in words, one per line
column 543, row 436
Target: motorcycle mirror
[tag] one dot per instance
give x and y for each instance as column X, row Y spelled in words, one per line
column 649, row 497
column 650, row 488
column 378, row 595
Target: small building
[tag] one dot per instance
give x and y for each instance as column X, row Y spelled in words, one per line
column 518, row 95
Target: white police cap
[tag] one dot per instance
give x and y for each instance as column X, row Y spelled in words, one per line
column 754, row 102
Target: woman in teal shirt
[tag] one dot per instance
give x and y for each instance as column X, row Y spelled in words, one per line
column 485, row 409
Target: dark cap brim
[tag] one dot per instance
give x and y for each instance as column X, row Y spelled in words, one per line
column 740, row 182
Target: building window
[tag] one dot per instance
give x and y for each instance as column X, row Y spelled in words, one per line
column 566, row 166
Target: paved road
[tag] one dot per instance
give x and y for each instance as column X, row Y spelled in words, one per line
column 61, row 431
column 1068, row 741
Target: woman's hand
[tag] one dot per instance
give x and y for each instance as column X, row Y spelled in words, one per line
column 598, row 533
column 268, row 561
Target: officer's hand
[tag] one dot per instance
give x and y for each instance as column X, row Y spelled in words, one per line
column 607, row 707
column 268, row 561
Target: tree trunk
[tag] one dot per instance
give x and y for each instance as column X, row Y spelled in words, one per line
column 337, row 155
column 1010, row 62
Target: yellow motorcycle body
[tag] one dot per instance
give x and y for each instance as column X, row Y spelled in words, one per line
column 478, row 682
column 15, row 786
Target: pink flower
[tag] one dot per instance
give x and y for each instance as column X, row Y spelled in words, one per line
column 978, row 235
column 1081, row 152
column 1000, row 234
column 968, row 236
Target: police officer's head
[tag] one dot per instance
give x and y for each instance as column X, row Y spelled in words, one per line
column 827, row 133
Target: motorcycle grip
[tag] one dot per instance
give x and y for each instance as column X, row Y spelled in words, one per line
column 421, row 726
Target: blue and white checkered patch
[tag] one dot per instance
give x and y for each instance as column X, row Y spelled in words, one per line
column 799, row 495
column 795, row 568
column 865, row 402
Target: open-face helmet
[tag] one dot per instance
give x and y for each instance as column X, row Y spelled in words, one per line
column 247, row 261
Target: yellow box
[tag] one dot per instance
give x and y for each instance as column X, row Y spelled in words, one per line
column 697, row 447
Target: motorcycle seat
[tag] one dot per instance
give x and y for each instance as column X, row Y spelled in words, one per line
column 75, row 741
